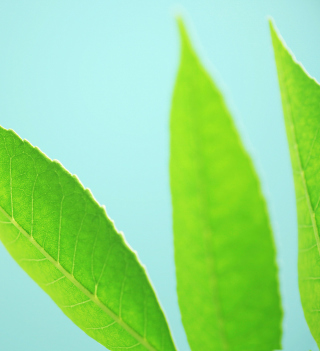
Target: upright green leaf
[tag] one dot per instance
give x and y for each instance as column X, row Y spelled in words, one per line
column 224, row 251
column 64, row 240
column 301, row 106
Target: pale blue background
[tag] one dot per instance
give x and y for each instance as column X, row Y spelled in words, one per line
column 90, row 83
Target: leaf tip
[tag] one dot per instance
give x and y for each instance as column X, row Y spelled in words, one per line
column 271, row 23
column 182, row 30
column 275, row 35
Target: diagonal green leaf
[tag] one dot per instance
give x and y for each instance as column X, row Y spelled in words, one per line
column 301, row 106
column 224, row 252
column 64, row 240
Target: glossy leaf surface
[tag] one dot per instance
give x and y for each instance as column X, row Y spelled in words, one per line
column 224, row 251
column 64, row 240
column 301, row 106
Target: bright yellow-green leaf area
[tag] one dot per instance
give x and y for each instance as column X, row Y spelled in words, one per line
column 64, row 240
column 224, row 251
column 301, row 106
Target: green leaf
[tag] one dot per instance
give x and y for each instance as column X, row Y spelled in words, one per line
column 224, row 251
column 301, row 106
column 64, row 240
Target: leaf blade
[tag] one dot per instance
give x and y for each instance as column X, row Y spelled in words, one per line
column 64, row 240
column 300, row 95
column 218, row 240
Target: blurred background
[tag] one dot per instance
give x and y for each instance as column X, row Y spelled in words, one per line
column 90, row 83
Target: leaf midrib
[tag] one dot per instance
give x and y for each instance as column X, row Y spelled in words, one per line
column 74, row 281
column 297, row 151
column 201, row 173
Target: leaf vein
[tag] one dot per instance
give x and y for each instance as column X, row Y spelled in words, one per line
column 83, row 289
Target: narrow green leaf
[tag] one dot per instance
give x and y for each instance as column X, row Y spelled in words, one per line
column 64, row 240
column 224, row 251
column 301, row 106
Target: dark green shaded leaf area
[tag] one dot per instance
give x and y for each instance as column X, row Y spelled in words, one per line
column 227, row 278
column 301, row 106
column 64, row 240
